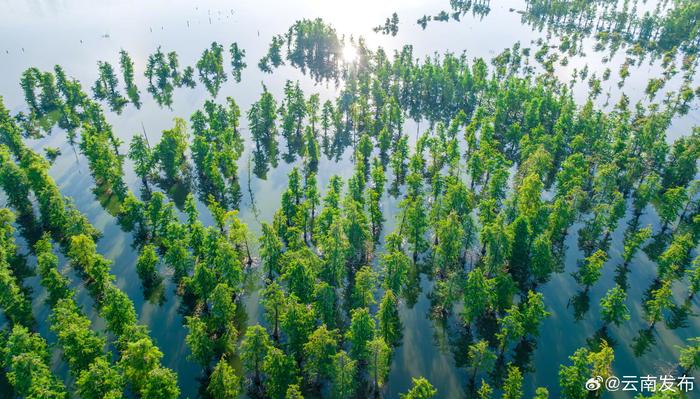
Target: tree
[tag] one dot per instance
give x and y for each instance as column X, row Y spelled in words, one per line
column 281, row 371
column 415, row 222
column 274, row 303
column 533, row 312
column 146, row 265
column 170, row 151
column 485, row 391
column 263, row 129
column 542, row 261
column 689, row 358
column 299, row 274
column 127, row 65
column 513, row 384
column 100, row 381
column 273, row 58
column 572, row 379
column 661, row 299
column 237, row 61
column 118, row 311
column 612, row 306
column 253, row 350
column 319, row 351
column 293, row 392
column 511, row 327
column 142, row 155
column 379, row 362
column 211, row 68
column 478, row 295
column 80, row 345
column 395, row 264
column 365, row 285
column 161, row 384
column 138, row 360
column 105, row 87
column 480, row 357
column 26, row 359
column 633, row 241
column 359, row 334
column 590, row 270
column 223, row 382
column 420, row 389
column 343, row 379
column 297, row 323
column 198, row 341
column 541, row 393
column 390, row 327
column 334, row 247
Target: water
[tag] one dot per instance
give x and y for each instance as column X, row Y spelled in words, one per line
column 76, row 34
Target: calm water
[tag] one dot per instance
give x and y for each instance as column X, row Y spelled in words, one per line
column 76, row 34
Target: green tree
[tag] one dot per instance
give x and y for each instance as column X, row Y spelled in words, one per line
column 319, row 351
column 198, row 341
column 513, row 384
column 293, row 392
column 661, row 299
column 612, row 306
column 127, row 65
column 211, row 68
column 420, row 389
column 390, row 326
column 170, row 151
column 253, row 350
column 274, row 303
column 297, row 324
column 689, row 358
column 237, row 61
column 161, row 384
column 361, row 331
column 478, row 295
column 590, row 269
column 100, row 381
column 480, row 357
column 511, row 327
column 223, row 381
column 80, row 345
column 364, row 287
column 379, row 361
column 281, row 371
column 146, row 265
column 343, row 379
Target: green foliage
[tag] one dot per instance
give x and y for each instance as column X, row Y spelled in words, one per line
column 100, row 381
column 237, row 61
column 210, row 68
column 319, row 351
column 612, row 306
column 273, row 58
column 359, row 334
column 281, row 371
column 169, row 153
column 216, row 148
column 420, row 389
column 344, row 376
column 80, row 345
column 105, row 88
column 390, row 326
column 223, row 382
column 26, row 359
column 127, row 66
column 313, row 45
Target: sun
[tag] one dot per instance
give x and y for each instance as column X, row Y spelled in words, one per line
column 349, row 54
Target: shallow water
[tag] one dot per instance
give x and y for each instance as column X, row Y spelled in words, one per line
column 76, row 34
